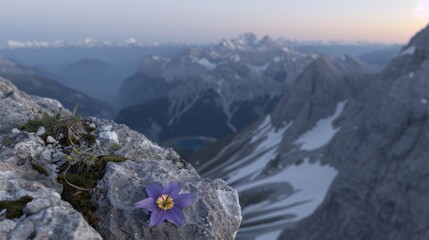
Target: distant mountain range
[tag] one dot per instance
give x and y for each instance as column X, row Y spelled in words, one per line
column 211, row 91
column 87, row 43
column 343, row 155
column 265, row 161
column 96, row 78
column 34, row 81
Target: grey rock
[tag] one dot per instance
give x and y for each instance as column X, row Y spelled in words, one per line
column 54, row 223
column 18, row 107
column 47, row 216
column 106, row 127
column 215, row 214
column 47, row 154
column 14, row 132
column 41, row 131
column 6, row 226
column 133, row 144
column 109, row 135
column 50, row 139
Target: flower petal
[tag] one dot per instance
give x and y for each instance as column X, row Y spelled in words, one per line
column 154, row 190
column 148, row 203
column 175, row 216
column 157, row 217
column 184, row 200
column 172, row 189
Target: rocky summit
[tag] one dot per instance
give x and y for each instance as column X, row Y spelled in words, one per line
column 41, row 199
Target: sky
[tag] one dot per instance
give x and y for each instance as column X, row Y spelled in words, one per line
column 206, row 21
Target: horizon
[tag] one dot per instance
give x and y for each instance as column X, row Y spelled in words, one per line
column 194, row 22
column 259, row 37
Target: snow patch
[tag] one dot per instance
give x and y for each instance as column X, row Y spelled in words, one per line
column 266, row 150
column 409, row 50
column 276, row 59
column 228, row 44
column 411, row 75
column 322, row 133
column 310, row 182
column 424, row 100
column 219, row 86
column 206, row 63
column 214, row 54
column 236, row 58
column 131, row 41
column 259, row 69
column 270, row 235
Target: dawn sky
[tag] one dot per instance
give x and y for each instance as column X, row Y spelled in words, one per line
column 210, row 20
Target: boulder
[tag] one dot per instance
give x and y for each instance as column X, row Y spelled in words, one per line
column 215, row 214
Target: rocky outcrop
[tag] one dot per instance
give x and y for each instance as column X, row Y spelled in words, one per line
column 30, row 164
column 18, row 107
column 215, row 215
column 46, row 216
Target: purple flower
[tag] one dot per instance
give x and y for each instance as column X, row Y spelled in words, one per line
column 166, row 203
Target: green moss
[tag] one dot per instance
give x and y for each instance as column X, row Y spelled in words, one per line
column 89, row 139
column 43, row 120
column 7, row 141
column 114, row 147
column 110, row 158
column 79, row 199
column 66, row 151
column 14, row 208
column 40, row 169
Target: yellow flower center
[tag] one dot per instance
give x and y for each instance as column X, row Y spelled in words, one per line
column 165, row 202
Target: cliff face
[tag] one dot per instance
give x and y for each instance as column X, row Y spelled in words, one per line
column 32, row 167
column 381, row 154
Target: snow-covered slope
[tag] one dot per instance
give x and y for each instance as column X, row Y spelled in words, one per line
column 275, row 164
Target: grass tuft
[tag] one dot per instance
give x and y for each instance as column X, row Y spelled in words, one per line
column 14, row 208
column 72, row 128
column 40, row 169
